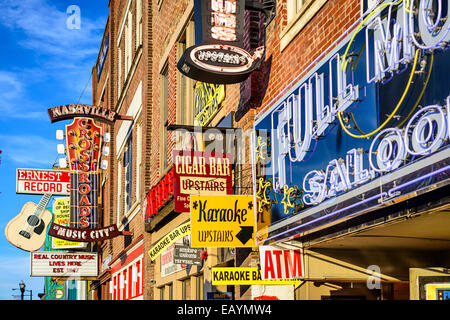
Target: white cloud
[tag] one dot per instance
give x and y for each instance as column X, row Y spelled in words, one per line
column 28, row 150
column 60, row 55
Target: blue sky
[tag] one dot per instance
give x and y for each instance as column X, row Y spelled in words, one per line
column 43, row 64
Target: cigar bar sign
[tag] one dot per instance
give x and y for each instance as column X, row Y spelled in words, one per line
column 62, row 264
column 200, row 173
column 219, row 57
column 41, row 181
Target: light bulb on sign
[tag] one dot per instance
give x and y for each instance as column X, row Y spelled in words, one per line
column 104, row 164
column 59, row 135
column 105, row 151
column 107, row 137
column 61, row 149
column 62, row 163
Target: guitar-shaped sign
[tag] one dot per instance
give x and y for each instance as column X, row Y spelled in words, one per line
column 27, row 230
column 84, row 141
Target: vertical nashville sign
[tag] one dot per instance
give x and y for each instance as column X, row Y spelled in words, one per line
column 84, row 139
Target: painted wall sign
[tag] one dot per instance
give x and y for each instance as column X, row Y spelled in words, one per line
column 168, row 264
column 42, row 181
column 83, row 235
column 246, row 276
column 202, row 173
column 169, row 239
column 84, row 141
column 61, row 216
column 222, row 221
column 219, row 57
column 207, row 101
column 71, row 111
column 277, row 263
column 63, row 264
column 347, row 122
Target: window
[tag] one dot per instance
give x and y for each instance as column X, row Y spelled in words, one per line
column 169, row 289
column 185, row 86
column 128, row 167
column 128, row 42
column 186, row 289
column 138, row 159
column 164, row 81
column 199, row 287
column 119, row 71
column 293, row 8
column 138, row 23
column 299, row 13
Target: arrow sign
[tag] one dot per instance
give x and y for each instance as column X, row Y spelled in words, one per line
column 225, row 221
column 246, row 276
column 245, row 234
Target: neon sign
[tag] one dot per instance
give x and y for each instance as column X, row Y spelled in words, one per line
column 425, row 133
column 364, row 81
column 219, row 57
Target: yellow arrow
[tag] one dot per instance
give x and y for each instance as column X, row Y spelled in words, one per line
column 246, row 276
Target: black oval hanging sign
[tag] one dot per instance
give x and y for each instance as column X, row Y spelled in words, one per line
column 218, row 57
column 219, row 64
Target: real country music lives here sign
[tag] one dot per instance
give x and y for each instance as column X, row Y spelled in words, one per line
column 352, row 131
column 203, row 173
column 64, row 264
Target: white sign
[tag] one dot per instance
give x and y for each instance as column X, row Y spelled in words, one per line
column 63, row 264
column 279, row 263
column 41, row 181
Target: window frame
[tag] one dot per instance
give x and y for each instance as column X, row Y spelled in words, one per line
column 299, row 20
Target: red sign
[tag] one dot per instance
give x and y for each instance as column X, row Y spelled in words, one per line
column 278, row 263
column 160, row 194
column 201, row 173
column 84, row 140
column 41, row 181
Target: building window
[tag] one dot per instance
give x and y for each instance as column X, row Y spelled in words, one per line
column 161, row 293
column 138, row 160
column 199, row 287
column 119, row 71
column 138, row 23
column 185, row 85
column 186, row 289
column 128, row 42
column 293, row 8
column 164, row 81
column 128, row 167
column 299, row 13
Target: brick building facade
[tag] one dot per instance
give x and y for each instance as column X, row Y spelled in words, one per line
column 139, row 78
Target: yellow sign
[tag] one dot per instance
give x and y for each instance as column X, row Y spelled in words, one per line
column 246, row 276
column 222, row 221
column 438, row 291
column 168, row 239
column 207, row 99
column 61, row 216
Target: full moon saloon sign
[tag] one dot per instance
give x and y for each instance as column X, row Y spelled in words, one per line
column 219, row 57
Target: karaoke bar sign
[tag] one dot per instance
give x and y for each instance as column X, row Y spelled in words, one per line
column 203, row 173
column 341, row 125
column 219, row 57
